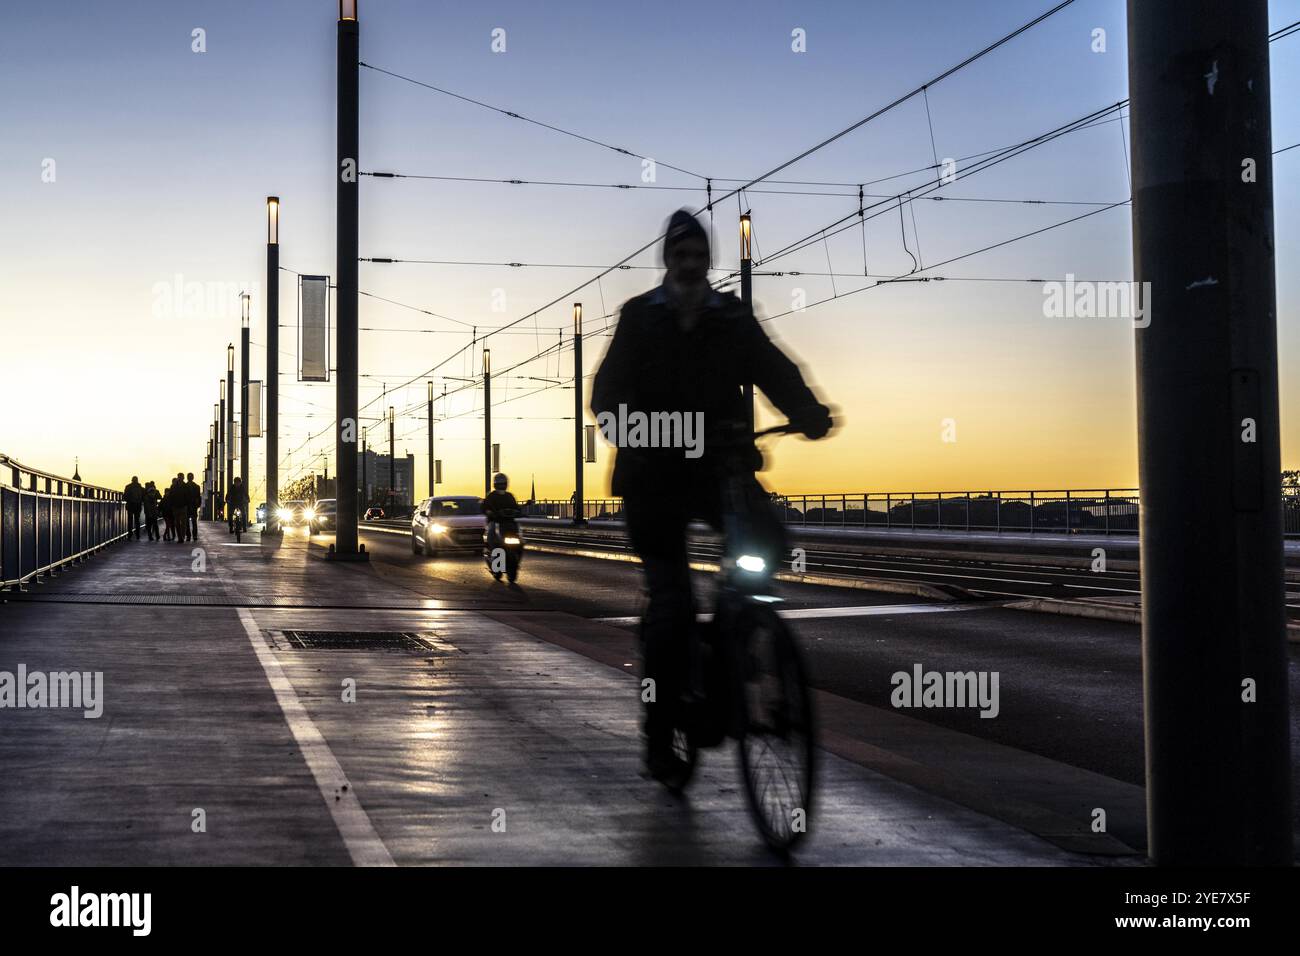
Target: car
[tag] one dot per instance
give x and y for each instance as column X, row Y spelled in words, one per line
column 373, row 514
column 293, row 512
column 324, row 516
column 448, row 523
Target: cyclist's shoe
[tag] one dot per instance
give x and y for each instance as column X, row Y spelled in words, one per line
column 668, row 768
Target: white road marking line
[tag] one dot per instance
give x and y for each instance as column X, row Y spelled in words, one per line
column 805, row 613
column 1098, row 587
column 354, row 826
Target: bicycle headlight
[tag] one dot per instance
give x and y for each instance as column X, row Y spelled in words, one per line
column 751, row 563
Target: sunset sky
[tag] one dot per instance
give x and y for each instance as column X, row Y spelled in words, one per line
column 163, row 156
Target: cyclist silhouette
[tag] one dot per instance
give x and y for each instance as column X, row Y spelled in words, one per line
column 685, row 348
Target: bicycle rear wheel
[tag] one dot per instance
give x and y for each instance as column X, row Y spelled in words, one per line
column 778, row 739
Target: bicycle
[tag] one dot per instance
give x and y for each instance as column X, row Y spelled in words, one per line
column 747, row 680
column 237, row 524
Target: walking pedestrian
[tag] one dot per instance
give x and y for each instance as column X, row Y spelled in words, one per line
column 133, row 495
column 193, row 501
column 166, row 506
column 180, row 508
column 152, row 502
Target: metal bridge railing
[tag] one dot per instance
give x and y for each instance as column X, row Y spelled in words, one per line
column 1088, row 511
column 47, row 521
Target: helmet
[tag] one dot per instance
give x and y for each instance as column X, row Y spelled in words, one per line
column 500, row 481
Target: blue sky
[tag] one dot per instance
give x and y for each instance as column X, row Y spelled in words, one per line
column 164, row 157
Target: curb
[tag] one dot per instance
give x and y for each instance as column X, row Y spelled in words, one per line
column 1125, row 615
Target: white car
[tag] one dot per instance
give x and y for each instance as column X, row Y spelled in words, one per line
column 448, row 523
column 293, row 513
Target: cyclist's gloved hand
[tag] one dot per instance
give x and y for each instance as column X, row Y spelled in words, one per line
column 814, row 421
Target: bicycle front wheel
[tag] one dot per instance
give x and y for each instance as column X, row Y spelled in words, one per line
column 778, row 739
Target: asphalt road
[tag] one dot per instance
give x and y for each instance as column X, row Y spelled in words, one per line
column 1069, row 688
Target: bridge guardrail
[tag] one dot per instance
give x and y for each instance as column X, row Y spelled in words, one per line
column 1091, row 511
column 48, row 521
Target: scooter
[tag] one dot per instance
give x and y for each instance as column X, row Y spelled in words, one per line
column 503, row 544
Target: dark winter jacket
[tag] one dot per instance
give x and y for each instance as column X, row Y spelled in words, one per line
column 654, row 366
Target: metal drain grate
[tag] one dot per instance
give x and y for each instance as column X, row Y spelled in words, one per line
column 357, row 640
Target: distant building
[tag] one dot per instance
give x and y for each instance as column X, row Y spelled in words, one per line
column 375, row 468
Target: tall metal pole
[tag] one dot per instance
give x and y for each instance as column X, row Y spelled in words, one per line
column 578, row 499
column 487, row 422
column 272, row 427
column 392, row 461
column 243, row 393
column 346, row 205
column 429, row 410
column 365, row 493
column 747, row 297
column 218, row 419
column 1213, row 626
column 230, row 418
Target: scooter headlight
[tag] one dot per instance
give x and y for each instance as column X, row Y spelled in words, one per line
column 751, row 563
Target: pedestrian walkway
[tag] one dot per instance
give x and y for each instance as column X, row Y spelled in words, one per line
column 263, row 706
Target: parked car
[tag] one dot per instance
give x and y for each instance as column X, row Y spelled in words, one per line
column 324, row 516
column 293, row 512
column 373, row 514
column 448, row 523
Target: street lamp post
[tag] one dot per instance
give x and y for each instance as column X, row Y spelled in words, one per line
column 347, row 164
column 218, row 433
column 747, row 297
column 230, row 418
column 392, row 462
column 487, row 422
column 577, row 415
column 272, row 365
column 365, row 488
column 429, row 410
column 244, row 341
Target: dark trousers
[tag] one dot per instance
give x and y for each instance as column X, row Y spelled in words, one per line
column 657, row 526
column 133, row 521
column 180, row 524
column 194, row 523
column 151, row 525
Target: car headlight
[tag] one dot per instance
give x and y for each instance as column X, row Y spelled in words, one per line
column 309, row 513
column 284, row 514
column 438, row 529
column 751, row 563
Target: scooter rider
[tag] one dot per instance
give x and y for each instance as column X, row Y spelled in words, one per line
column 499, row 499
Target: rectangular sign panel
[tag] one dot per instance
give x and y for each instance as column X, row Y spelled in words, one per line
column 591, row 442
column 313, row 328
column 254, row 409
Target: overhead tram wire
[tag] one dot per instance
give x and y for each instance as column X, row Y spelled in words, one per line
column 851, row 219
column 767, row 192
column 917, row 277
column 765, row 176
column 519, row 116
column 1078, row 125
